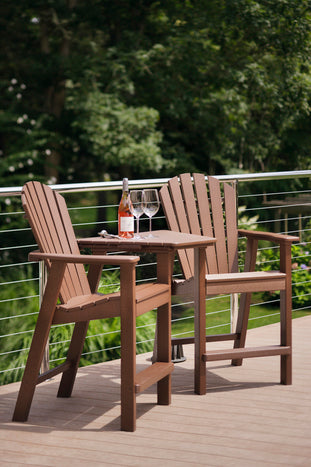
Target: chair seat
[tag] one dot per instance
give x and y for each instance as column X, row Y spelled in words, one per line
column 237, row 282
column 82, row 302
column 87, row 307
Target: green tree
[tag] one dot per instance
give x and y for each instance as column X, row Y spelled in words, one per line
column 62, row 53
column 147, row 86
column 118, row 136
column 231, row 81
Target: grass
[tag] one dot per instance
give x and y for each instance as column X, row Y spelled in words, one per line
column 218, row 316
column 103, row 340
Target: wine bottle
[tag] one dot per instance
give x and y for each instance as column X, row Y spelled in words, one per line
column 125, row 213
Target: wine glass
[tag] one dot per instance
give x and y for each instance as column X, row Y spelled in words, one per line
column 150, row 204
column 136, row 198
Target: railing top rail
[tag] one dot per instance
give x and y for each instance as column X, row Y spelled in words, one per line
column 157, row 182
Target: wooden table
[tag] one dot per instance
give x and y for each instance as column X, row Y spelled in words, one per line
column 164, row 244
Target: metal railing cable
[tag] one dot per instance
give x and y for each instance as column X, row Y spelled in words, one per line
column 13, row 257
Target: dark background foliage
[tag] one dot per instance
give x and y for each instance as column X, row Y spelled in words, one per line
column 102, row 90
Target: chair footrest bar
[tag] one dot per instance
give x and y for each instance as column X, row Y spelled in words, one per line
column 221, row 337
column 250, row 352
column 152, row 374
column 182, row 340
column 211, row 338
column 53, row 372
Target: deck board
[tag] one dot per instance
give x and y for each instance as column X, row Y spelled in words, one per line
column 246, row 418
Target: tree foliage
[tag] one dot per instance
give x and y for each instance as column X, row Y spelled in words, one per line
column 148, row 87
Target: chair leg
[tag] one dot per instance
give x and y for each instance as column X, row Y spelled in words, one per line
column 286, row 312
column 286, row 335
column 128, row 372
column 165, row 262
column 128, row 348
column 245, row 299
column 38, row 343
column 199, row 322
column 31, row 373
column 164, row 352
column 73, row 356
column 242, row 323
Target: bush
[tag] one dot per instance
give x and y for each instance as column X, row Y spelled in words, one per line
column 102, row 342
column 301, row 272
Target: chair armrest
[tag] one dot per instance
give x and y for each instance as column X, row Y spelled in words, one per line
column 84, row 259
column 269, row 236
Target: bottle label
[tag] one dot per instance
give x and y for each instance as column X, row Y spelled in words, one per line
column 127, row 224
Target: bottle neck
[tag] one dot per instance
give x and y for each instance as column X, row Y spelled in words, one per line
column 125, row 185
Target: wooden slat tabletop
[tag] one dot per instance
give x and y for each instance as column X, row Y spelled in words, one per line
column 161, row 239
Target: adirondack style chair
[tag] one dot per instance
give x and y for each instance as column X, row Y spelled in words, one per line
column 194, row 206
column 70, row 297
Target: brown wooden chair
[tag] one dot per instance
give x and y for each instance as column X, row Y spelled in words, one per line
column 194, row 206
column 70, row 296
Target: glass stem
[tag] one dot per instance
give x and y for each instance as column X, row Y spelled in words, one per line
column 137, row 220
column 150, row 223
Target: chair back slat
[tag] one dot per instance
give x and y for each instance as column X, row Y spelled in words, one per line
column 205, row 219
column 172, row 222
column 218, row 223
column 181, row 215
column 178, row 203
column 231, row 226
column 190, row 204
column 49, row 219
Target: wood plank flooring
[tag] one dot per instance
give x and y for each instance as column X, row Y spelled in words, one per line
column 246, row 419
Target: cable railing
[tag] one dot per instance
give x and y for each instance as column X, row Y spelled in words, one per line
column 21, row 282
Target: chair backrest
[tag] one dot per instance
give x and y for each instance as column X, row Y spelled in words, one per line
column 194, row 205
column 49, row 219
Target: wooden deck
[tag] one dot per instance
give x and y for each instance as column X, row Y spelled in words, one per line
column 245, row 419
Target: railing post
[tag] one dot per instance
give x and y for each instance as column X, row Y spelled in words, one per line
column 234, row 309
column 45, row 365
column 234, row 298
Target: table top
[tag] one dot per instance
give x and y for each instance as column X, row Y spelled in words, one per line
column 161, row 239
